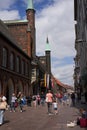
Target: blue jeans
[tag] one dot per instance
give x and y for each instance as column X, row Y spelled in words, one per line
column 12, row 106
column 1, row 116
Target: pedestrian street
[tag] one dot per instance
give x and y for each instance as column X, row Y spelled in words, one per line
column 38, row 119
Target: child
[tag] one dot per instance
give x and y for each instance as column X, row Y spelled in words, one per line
column 55, row 107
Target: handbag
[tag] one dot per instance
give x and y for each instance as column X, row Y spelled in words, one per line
column 46, row 99
column 16, row 104
column 83, row 122
column 3, row 105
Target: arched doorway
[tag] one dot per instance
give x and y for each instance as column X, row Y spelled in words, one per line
column 9, row 90
column 26, row 90
column 19, row 87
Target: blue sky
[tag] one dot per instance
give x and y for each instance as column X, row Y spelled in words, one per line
column 55, row 19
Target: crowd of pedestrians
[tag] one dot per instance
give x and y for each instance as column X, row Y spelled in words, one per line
column 51, row 100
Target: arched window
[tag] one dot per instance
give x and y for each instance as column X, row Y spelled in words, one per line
column 18, row 63
column 4, row 58
column 26, row 69
column 23, row 66
column 12, row 61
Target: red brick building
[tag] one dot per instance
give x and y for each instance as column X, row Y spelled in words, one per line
column 15, row 66
column 20, row 68
column 17, row 49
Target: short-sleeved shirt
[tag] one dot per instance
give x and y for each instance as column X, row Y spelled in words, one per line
column 49, row 96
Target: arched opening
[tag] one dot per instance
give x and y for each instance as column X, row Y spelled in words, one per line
column 26, row 90
column 9, row 90
column 19, row 87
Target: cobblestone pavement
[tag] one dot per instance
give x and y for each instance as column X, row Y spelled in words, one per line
column 38, row 119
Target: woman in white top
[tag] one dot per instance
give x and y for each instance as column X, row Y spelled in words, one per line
column 13, row 100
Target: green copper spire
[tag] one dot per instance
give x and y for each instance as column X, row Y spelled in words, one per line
column 30, row 4
column 47, row 45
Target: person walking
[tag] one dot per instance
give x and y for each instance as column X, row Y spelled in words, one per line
column 20, row 101
column 73, row 99
column 3, row 106
column 49, row 100
column 55, row 107
column 29, row 100
column 42, row 96
column 34, row 101
column 38, row 99
column 13, row 101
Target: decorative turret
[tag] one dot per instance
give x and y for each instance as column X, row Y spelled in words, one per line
column 30, row 14
column 47, row 45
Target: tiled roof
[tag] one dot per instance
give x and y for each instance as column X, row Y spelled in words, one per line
column 61, row 84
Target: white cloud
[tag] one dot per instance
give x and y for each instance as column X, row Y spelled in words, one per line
column 6, row 13
column 6, row 4
column 9, row 15
column 64, row 73
column 57, row 22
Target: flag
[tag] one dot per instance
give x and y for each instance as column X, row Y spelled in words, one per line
column 52, row 83
column 47, row 80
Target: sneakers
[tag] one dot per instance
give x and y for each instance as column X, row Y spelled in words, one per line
column 50, row 114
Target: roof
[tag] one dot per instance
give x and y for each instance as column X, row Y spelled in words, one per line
column 61, row 84
column 15, row 21
column 47, row 45
column 30, row 4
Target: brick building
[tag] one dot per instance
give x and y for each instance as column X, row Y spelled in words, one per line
column 15, row 65
column 20, row 68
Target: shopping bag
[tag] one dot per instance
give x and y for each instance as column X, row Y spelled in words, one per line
column 46, row 99
column 83, row 122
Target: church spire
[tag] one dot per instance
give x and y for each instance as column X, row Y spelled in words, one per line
column 47, row 45
column 30, row 4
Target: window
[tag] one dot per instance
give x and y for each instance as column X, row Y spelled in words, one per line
column 18, row 63
column 12, row 61
column 26, row 69
column 23, row 66
column 4, row 58
column 33, row 72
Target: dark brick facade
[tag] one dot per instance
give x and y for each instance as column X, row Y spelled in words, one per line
column 12, row 80
column 19, row 30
